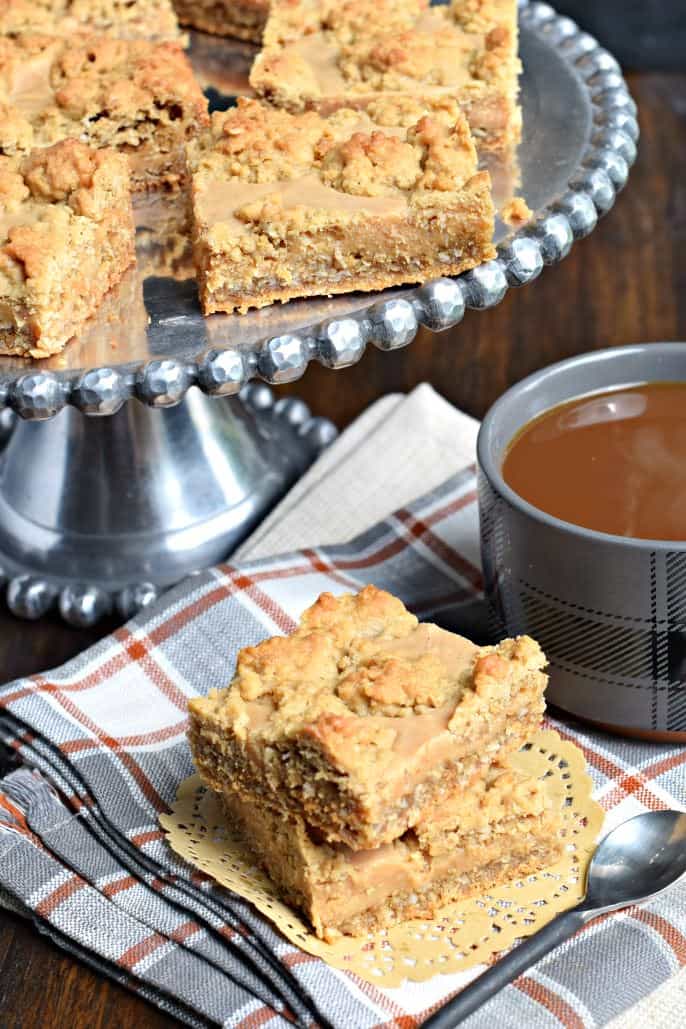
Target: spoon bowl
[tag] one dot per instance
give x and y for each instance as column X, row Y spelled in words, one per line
column 637, row 860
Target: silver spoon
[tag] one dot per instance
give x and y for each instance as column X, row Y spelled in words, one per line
column 639, row 859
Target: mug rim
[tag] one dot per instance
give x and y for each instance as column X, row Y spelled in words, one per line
column 533, row 382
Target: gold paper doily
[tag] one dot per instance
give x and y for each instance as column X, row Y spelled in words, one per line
column 463, row 934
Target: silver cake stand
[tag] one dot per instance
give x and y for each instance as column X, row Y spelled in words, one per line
column 144, row 452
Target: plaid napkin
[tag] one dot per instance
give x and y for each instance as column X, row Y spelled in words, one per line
column 103, row 749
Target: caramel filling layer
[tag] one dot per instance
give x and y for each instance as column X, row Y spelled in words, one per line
column 455, row 652
column 321, row 58
column 30, row 89
column 343, row 883
column 394, row 869
column 226, row 202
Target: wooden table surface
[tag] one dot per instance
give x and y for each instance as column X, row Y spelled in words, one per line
column 624, row 284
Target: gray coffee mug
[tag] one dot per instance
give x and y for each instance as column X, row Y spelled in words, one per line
column 609, row 612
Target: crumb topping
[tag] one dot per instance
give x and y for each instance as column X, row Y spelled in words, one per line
column 68, row 172
column 16, row 131
column 41, row 195
column 386, row 45
column 369, row 164
column 95, row 71
column 347, row 22
column 357, row 664
column 13, row 189
column 337, row 655
column 113, row 91
column 257, row 143
column 390, row 686
column 416, row 146
column 126, row 18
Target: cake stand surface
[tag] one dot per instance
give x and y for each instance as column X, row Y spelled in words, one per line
column 102, row 512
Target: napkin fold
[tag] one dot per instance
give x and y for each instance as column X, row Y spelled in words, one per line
column 398, row 449
column 103, row 749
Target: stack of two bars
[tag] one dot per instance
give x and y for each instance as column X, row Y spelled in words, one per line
column 364, row 761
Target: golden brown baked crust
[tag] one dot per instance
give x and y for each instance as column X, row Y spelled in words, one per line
column 386, row 196
column 326, row 54
column 137, row 96
column 127, row 19
column 242, row 19
column 506, row 827
column 363, row 718
column 66, row 236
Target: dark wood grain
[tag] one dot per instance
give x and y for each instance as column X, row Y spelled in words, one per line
column 625, row 284
column 41, row 986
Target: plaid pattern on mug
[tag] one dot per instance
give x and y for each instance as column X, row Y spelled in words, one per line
column 82, row 851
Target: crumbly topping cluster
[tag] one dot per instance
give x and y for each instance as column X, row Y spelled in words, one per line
column 407, row 54
column 395, row 686
column 257, row 143
column 371, row 164
column 122, row 75
column 478, row 15
column 516, row 212
column 426, row 146
column 20, row 15
column 347, row 22
column 16, row 131
column 46, row 193
column 341, row 661
column 14, row 52
column 433, row 57
column 335, row 659
column 405, row 110
column 147, row 18
column 385, row 44
column 67, row 173
column 353, row 20
column 99, row 79
column 356, row 617
column 13, row 189
column 324, row 658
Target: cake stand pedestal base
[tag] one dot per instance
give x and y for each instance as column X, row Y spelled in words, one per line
column 101, row 514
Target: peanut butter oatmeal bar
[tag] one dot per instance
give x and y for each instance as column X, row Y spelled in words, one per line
column 242, row 19
column 127, row 19
column 509, row 828
column 299, row 205
column 137, row 96
column 325, row 54
column 67, row 232
column 363, row 718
